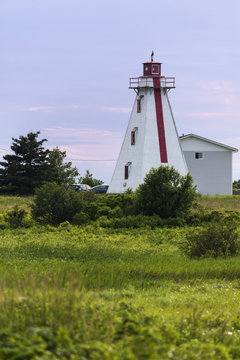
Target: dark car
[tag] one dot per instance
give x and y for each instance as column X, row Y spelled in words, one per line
column 79, row 187
column 100, row 189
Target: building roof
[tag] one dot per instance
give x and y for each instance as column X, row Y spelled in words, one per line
column 209, row 141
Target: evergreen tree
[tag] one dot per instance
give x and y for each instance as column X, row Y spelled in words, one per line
column 89, row 180
column 26, row 169
column 32, row 165
column 60, row 172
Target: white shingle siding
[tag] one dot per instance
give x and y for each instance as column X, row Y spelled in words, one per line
column 213, row 173
column 145, row 154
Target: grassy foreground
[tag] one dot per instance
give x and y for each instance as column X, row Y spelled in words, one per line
column 89, row 293
column 9, row 202
column 220, row 202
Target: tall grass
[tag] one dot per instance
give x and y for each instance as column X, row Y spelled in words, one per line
column 220, row 202
column 102, row 294
column 10, row 202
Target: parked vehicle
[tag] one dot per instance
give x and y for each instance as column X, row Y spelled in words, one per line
column 100, row 189
column 79, row 187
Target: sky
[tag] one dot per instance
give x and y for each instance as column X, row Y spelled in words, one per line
column 65, row 67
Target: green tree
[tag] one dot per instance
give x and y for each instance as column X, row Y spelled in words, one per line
column 165, row 193
column 54, row 203
column 236, row 184
column 24, row 170
column 59, row 171
column 89, row 180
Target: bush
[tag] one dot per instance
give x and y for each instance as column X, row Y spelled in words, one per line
column 216, row 239
column 111, row 205
column 129, row 222
column 138, row 221
column 165, row 193
column 103, row 211
column 14, row 218
column 55, row 204
column 205, row 216
column 124, row 201
column 81, row 218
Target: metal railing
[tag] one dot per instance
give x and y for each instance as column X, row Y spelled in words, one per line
column 165, row 82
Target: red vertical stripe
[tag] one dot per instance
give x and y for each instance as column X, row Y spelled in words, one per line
column 160, row 122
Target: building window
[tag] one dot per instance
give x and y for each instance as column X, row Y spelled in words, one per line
column 127, row 170
column 198, row 155
column 138, row 105
column 155, row 69
column 133, row 136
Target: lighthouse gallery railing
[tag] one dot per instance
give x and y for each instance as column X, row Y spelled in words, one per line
column 165, row 82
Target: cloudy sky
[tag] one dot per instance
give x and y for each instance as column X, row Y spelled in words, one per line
column 65, row 65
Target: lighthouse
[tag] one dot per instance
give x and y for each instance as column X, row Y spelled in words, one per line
column 151, row 138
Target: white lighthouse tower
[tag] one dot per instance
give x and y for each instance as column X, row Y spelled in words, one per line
column 151, row 138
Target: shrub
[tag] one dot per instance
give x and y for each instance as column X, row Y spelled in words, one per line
column 116, row 212
column 111, row 205
column 130, row 221
column 65, row 226
column 165, row 193
column 55, row 204
column 103, row 211
column 174, row 222
column 110, row 213
column 124, row 201
column 81, row 218
column 216, row 239
column 92, row 210
column 14, row 218
column 205, row 216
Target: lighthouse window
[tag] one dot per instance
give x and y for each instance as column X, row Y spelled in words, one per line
column 155, row 69
column 138, row 105
column 133, row 136
column 126, row 170
column 198, row 155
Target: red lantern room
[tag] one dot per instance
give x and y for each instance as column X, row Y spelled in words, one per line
column 152, row 68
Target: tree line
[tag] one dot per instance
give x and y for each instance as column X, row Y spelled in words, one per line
column 31, row 165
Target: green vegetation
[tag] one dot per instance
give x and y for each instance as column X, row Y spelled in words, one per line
column 54, row 204
column 89, row 180
column 121, row 287
column 59, row 170
column 216, row 239
column 10, row 202
column 31, row 165
column 166, row 193
column 89, row 293
column 236, row 184
column 220, row 202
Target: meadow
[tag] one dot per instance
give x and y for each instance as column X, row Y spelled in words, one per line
column 84, row 292
column 220, row 202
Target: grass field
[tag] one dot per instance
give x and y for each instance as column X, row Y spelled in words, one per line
column 90, row 293
column 9, row 202
column 220, row 202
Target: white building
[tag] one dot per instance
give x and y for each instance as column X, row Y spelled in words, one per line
column 209, row 163
column 151, row 138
